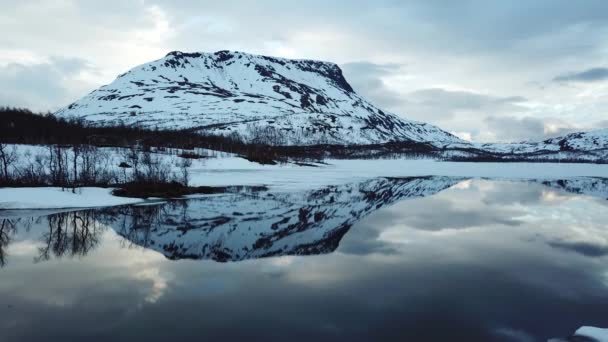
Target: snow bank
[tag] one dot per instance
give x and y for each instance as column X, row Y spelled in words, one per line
column 601, row 335
column 235, row 171
column 54, row 198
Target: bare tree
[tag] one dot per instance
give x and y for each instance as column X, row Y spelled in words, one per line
column 133, row 157
column 89, row 164
column 8, row 156
column 58, row 161
column 184, row 164
column 7, row 229
column 76, row 149
column 70, row 234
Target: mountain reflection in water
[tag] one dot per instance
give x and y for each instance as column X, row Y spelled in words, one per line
column 395, row 259
column 242, row 226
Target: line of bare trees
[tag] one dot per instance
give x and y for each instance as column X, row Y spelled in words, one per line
column 87, row 165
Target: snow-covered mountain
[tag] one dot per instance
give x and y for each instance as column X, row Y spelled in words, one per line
column 276, row 100
column 581, row 141
column 592, row 145
column 285, row 102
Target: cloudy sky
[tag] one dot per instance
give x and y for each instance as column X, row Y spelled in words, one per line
column 485, row 70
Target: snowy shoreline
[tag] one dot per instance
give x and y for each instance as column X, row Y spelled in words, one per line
column 56, row 198
column 232, row 170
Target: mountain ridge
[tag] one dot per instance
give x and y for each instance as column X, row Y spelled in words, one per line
column 295, row 102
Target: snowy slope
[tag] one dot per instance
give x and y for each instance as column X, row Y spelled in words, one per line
column 52, row 197
column 585, row 334
column 598, row 334
column 294, row 102
column 593, row 143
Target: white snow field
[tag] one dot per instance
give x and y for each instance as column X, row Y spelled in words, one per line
column 236, row 171
column 56, row 198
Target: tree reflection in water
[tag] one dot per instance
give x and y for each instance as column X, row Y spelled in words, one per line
column 77, row 233
column 240, row 226
column 8, row 227
column 70, row 234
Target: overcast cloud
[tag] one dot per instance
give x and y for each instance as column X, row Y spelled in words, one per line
column 485, row 70
column 591, row 75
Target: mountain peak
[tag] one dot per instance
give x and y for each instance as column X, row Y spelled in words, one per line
column 301, row 101
column 326, row 69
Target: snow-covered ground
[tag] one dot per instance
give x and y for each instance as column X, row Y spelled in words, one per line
column 600, row 335
column 52, row 197
column 586, row 334
column 239, row 171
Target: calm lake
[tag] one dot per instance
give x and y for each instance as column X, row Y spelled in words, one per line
column 387, row 259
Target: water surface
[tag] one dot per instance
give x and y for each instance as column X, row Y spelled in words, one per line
column 421, row 258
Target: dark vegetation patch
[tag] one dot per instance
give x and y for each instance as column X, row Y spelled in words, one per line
column 305, row 101
column 277, row 89
column 179, row 54
column 191, row 155
column 261, row 159
column 176, row 190
column 305, row 164
column 321, row 100
column 223, row 56
column 103, row 98
column 264, row 71
column 520, row 159
column 124, row 97
column 21, row 126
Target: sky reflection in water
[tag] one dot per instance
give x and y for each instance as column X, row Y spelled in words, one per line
column 481, row 260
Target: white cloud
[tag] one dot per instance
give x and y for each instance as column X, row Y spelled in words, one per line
column 46, row 85
column 421, row 60
column 507, row 128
